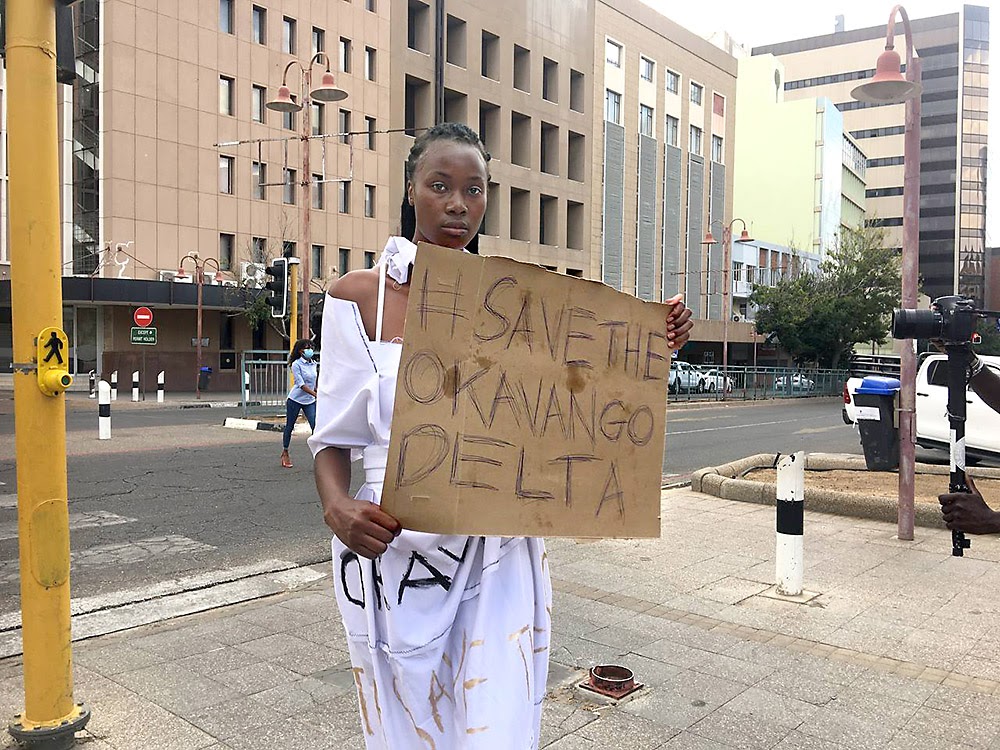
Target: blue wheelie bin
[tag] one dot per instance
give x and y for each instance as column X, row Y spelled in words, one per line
column 876, row 401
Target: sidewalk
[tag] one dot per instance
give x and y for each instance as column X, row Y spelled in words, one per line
column 900, row 650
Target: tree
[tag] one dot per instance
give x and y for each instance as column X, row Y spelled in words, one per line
column 991, row 337
column 819, row 316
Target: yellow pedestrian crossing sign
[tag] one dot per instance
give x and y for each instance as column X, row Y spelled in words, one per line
column 52, row 362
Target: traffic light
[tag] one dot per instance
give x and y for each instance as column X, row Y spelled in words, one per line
column 277, row 287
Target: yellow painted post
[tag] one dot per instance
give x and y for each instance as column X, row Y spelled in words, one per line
column 41, row 354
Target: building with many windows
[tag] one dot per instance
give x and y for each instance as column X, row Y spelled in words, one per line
column 954, row 50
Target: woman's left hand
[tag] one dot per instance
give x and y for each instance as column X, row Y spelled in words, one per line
column 679, row 322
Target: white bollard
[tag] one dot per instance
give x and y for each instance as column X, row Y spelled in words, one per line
column 135, row 385
column 790, row 504
column 159, row 387
column 103, row 411
column 246, row 386
column 114, row 385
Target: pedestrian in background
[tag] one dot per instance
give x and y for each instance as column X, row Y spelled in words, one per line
column 302, row 396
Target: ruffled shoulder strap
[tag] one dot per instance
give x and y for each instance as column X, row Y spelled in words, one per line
column 397, row 258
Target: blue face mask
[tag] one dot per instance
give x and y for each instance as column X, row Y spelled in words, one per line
column 307, row 353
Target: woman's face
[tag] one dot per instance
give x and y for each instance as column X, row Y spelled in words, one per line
column 448, row 194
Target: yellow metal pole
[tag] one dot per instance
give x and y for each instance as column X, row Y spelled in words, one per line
column 41, row 375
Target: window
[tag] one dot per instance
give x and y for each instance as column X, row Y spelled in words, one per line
column 318, row 40
column 522, row 68
column 288, row 120
column 697, row 93
column 259, row 245
column 673, row 82
column 345, row 55
column 258, row 18
column 646, row 120
column 613, row 106
column 548, row 152
column 316, row 262
column 226, row 164
column 288, row 35
column 344, row 125
column 226, row 16
column 455, row 47
column 418, row 26
column 370, row 6
column 369, row 259
column 226, row 105
column 577, row 156
column 577, row 93
column 344, row 197
column 288, row 190
column 646, row 68
column 370, row 127
column 318, row 111
column 370, row 74
column 613, row 53
column 318, row 192
column 489, row 65
column 694, row 140
column 288, row 248
column 671, row 133
column 227, row 243
column 258, row 103
column 370, row 201
column 258, row 173
column 718, row 151
column 550, row 80
column 520, row 139
column 718, row 105
column 344, row 261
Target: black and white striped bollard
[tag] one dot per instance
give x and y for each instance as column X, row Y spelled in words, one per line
column 790, row 504
column 135, row 385
column 159, row 387
column 246, row 387
column 114, row 385
column 104, row 411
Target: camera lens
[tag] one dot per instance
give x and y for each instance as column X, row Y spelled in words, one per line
column 916, row 324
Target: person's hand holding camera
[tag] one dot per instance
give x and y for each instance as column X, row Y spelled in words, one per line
column 968, row 512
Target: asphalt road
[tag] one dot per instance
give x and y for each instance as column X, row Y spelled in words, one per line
column 175, row 494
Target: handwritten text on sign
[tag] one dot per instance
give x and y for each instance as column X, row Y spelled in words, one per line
column 528, row 403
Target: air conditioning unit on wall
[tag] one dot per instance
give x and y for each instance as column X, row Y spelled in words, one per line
column 252, row 274
column 175, row 277
column 737, row 318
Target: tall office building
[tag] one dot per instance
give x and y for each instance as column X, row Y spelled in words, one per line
column 954, row 50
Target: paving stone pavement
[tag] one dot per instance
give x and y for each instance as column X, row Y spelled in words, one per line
column 901, row 649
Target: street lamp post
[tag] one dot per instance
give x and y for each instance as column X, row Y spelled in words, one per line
column 199, row 278
column 890, row 87
column 727, row 290
column 327, row 91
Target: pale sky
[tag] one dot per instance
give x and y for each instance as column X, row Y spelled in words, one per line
column 757, row 23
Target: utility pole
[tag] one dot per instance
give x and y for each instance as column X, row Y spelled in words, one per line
column 41, row 375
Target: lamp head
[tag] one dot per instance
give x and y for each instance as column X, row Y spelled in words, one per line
column 327, row 90
column 709, row 238
column 888, row 86
column 745, row 236
column 284, row 102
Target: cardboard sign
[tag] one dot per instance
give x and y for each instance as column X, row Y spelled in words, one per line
column 528, row 403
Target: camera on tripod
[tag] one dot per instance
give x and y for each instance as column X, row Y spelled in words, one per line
column 950, row 319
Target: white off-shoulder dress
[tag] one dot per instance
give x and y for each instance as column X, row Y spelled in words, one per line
column 448, row 635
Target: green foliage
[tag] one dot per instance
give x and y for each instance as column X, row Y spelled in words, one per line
column 819, row 317
column 991, row 338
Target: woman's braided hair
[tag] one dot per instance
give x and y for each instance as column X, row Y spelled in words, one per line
column 448, row 131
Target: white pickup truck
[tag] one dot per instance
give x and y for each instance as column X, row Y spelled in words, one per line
column 982, row 427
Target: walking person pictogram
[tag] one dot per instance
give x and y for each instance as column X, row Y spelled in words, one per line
column 54, row 345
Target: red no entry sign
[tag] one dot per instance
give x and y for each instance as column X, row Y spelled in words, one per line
column 143, row 317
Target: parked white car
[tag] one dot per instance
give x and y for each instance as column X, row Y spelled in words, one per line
column 684, row 376
column 715, row 381
column 798, row 383
column 982, row 426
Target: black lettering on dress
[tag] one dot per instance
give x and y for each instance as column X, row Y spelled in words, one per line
column 613, row 491
column 569, row 461
column 465, row 551
column 519, row 489
column 346, row 558
column 435, row 577
column 503, row 322
column 405, row 474
column 457, row 457
column 378, row 586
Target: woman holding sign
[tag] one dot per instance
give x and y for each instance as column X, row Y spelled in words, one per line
column 448, row 635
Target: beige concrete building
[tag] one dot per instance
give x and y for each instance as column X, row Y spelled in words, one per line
column 520, row 73
column 954, row 53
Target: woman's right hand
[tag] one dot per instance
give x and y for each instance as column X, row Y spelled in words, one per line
column 363, row 527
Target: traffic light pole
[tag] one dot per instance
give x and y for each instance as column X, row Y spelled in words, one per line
column 51, row 717
column 293, row 310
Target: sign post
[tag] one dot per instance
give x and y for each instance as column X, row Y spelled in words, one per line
column 143, row 334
